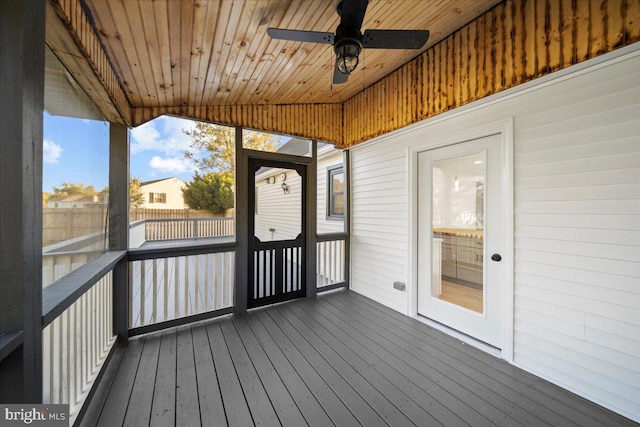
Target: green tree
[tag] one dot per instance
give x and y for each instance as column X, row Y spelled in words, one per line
column 212, row 146
column 212, row 192
column 212, row 150
column 136, row 197
column 67, row 189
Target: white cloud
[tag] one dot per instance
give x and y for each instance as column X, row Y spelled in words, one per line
column 163, row 134
column 51, row 151
column 171, row 164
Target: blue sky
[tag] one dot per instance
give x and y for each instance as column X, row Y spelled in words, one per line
column 157, row 149
column 77, row 150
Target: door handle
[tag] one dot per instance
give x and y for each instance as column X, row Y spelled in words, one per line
column 496, row 257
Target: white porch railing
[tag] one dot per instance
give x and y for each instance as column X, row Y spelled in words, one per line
column 75, row 345
column 169, row 288
column 188, row 228
column 331, row 259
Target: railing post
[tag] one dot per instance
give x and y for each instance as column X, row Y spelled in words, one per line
column 195, row 227
column 119, row 225
column 22, row 44
column 346, row 167
column 241, row 228
column 311, row 221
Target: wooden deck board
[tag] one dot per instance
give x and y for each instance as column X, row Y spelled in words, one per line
column 209, row 395
column 164, row 394
column 187, row 403
column 341, row 359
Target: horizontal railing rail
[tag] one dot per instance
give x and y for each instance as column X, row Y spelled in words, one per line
column 9, row 342
column 185, row 250
column 59, row 296
column 327, row 237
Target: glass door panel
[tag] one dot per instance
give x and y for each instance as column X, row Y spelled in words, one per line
column 458, row 201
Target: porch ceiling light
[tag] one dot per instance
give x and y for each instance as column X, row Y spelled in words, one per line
column 347, row 55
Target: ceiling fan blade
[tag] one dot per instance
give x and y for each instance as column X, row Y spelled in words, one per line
column 338, row 77
column 352, row 13
column 300, row 36
column 395, row 39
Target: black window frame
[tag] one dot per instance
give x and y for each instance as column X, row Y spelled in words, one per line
column 330, row 194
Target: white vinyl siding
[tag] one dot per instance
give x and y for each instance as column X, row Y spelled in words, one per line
column 577, row 225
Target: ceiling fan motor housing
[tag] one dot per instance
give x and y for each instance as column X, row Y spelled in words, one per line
column 347, row 45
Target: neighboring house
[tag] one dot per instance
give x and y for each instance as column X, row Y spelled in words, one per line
column 276, row 216
column 78, row 201
column 165, row 193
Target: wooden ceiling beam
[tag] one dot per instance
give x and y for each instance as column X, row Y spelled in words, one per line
column 322, row 122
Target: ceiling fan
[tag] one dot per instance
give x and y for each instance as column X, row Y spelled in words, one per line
column 348, row 41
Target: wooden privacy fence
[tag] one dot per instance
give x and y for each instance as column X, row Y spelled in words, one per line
column 61, row 224
column 163, row 229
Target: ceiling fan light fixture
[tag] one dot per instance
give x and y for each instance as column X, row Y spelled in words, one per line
column 347, row 57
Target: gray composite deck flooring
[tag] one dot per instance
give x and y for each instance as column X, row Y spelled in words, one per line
column 341, row 360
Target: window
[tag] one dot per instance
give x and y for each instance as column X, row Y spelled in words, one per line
column 160, row 198
column 335, row 192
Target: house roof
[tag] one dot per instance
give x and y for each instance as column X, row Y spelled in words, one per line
column 158, row 180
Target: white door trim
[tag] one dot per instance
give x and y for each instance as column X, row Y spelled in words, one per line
column 505, row 129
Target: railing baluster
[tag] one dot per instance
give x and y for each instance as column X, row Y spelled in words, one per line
column 196, row 292
column 143, row 300
column 154, row 290
column 205, row 305
column 85, row 337
column 75, row 347
column 165, row 282
column 176, row 302
column 186, row 286
column 60, row 329
column 130, row 291
column 216, row 271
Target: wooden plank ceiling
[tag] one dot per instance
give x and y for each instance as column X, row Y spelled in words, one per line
column 170, row 53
